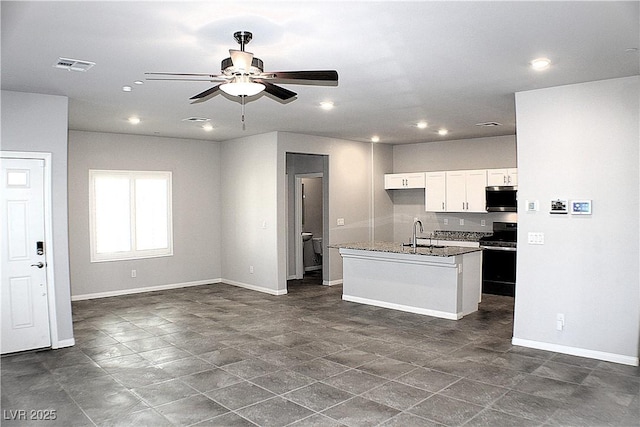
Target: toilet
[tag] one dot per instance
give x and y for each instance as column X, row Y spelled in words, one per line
column 317, row 245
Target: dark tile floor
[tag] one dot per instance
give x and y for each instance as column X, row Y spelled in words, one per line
column 224, row 356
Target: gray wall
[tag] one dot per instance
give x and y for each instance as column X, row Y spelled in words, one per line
column 383, row 223
column 249, row 203
column 196, row 210
column 580, row 142
column 478, row 153
column 33, row 122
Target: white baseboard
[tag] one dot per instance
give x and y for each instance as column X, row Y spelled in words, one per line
column 400, row 307
column 574, row 351
column 332, row 282
column 141, row 290
column 255, row 287
column 64, row 343
column 313, row 267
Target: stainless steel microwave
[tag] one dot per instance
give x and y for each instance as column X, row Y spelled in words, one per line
column 502, row 199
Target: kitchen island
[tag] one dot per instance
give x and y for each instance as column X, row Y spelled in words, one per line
column 439, row 281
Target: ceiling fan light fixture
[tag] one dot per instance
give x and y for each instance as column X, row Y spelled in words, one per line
column 242, row 86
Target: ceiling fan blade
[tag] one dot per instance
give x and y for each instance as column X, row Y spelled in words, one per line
column 184, row 74
column 206, row 93
column 319, row 75
column 241, row 60
column 185, row 80
column 277, row 91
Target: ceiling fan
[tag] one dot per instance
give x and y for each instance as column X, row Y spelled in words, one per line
column 243, row 75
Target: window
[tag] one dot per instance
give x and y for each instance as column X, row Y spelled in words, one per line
column 130, row 215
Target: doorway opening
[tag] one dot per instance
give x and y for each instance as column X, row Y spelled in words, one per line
column 307, row 228
column 309, row 224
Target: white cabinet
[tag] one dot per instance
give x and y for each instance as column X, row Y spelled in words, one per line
column 398, row 181
column 465, row 190
column 435, row 192
column 501, row 177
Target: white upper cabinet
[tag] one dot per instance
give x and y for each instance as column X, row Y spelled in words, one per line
column 502, row 177
column 399, row 181
column 465, row 190
column 456, row 191
column 435, row 192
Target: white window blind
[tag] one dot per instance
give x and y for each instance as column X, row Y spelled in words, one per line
column 130, row 214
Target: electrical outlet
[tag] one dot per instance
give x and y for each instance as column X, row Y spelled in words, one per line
column 134, row 273
column 446, row 221
column 251, row 269
column 340, row 221
column 461, row 221
column 483, row 223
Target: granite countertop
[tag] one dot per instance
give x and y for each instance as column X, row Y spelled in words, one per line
column 462, row 236
column 399, row 248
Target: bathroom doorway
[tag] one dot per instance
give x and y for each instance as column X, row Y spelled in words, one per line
column 309, row 224
column 307, row 175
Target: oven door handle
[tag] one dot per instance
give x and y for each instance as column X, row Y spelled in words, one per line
column 499, row 248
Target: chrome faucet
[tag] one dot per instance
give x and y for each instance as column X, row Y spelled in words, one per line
column 414, row 241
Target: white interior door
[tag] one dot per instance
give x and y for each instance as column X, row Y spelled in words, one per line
column 25, row 311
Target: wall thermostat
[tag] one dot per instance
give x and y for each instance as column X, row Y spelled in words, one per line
column 558, row 206
column 581, row 207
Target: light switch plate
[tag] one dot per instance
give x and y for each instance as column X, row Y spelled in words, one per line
column 535, row 238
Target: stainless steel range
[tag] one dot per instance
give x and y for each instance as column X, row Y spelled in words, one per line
column 499, row 259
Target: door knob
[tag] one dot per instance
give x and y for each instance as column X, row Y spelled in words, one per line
column 39, row 265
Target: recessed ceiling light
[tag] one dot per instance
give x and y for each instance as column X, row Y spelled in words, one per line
column 326, row 105
column 443, row 132
column 375, row 138
column 422, row 125
column 207, row 127
column 127, row 88
column 539, row 64
column 134, row 120
column 138, row 82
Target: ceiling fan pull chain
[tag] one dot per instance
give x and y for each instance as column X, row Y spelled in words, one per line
column 242, row 103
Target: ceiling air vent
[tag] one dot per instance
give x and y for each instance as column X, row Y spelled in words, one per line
column 196, row 119
column 73, row 64
column 489, row 124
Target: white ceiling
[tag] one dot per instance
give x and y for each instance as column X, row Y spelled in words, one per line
column 452, row 64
